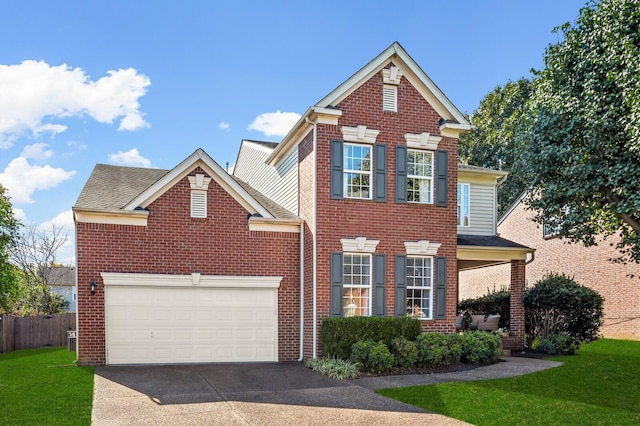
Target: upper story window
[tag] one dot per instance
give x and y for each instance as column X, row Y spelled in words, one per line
column 463, row 204
column 419, row 176
column 357, row 171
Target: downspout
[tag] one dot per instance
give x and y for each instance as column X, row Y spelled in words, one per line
column 315, row 239
column 301, row 291
column 77, row 292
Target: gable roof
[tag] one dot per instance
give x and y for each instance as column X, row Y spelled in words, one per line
column 122, row 189
column 452, row 118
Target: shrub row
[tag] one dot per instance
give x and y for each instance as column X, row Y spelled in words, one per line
column 338, row 334
column 428, row 350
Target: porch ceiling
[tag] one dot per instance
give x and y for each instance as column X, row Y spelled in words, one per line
column 482, row 251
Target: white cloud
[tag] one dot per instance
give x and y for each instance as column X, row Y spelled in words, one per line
column 37, row 151
column 223, row 125
column 274, row 123
column 34, row 93
column 19, row 214
column 129, row 158
column 21, row 179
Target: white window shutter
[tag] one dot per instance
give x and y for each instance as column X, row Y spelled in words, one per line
column 390, row 98
column 198, row 204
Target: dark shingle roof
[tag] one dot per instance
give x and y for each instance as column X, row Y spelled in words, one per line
column 272, row 207
column 471, row 168
column 487, row 241
column 113, row 187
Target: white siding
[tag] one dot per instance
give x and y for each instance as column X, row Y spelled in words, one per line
column 482, row 205
column 278, row 183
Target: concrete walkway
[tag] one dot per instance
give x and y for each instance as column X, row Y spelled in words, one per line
column 268, row 394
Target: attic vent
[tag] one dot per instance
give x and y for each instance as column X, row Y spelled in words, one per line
column 198, row 204
column 390, row 98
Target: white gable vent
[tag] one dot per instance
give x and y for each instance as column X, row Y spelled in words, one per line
column 199, row 185
column 198, row 204
column 390, row 98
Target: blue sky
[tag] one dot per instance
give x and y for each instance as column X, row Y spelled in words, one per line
column 146, row 83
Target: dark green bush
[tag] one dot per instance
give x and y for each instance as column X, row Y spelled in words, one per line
column 438, row 349
column 479, row 347
column 496, row 302
column 338, row 334
column 556, row 344
column 557, row 305
column 405, row 352
column 372, row 356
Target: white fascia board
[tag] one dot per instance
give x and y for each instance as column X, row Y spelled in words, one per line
column 198, row 158
column 300, row 129
column 492, row 253
column 111, row 217
column 274, row 225
column 486, row 176
column 454, row 130
column 193, row 280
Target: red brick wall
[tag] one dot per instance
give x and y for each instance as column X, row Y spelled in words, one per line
column 391, row 223
column 590, row 266
column 175, row 243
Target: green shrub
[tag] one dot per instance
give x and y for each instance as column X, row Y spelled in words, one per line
column 496, row 302
column 372, row 356
column 338, row 334
column 438, row 349
column 557, row 305
column 335, row 368
column 405, row 352
column 479, row 347
column 556, row 344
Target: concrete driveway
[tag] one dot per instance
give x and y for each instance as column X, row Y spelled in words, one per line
column 269, row 394
column 242, row 394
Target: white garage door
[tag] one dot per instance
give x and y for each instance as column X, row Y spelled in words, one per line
column 169, row 319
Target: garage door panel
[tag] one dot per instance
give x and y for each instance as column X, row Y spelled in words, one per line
column 152, row 325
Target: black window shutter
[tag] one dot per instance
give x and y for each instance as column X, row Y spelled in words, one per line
column 401, row 174
column 336, row 284
column 442, row 172
column 441, row 288
column 401, row 285
column 336, row 169
column 380, row 292
column 380, row 178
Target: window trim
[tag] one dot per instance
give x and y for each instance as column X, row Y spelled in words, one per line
column 468, row 204
column 430, row 288
column 346, row 171
column 423, row 178
column 369, row 287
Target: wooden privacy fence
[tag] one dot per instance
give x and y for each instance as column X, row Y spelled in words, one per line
column 35, row 332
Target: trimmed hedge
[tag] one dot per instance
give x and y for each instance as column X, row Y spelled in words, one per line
column 338, row 334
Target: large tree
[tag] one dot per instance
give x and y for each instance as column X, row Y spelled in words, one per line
column 585, row 112
column 9, row 286
column 500, row 137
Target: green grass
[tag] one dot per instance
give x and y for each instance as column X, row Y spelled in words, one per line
column 600, row 385
column 42, row 387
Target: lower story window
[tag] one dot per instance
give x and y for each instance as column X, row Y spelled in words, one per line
column 356, row 300
column 419, row 286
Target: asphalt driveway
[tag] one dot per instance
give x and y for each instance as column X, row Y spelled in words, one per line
column 268, row 394
column 241, row 394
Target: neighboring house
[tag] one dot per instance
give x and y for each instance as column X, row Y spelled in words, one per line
column 618, row 283
column 352, row 213
column 62, row 281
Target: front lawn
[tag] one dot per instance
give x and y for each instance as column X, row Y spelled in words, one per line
column 598, row 385
column 42, row 387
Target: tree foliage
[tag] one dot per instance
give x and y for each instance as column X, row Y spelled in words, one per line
column 585, row 124
column 499, row 138
column 9, row 286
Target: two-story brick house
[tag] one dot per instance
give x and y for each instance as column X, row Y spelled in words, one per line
column 355, row 212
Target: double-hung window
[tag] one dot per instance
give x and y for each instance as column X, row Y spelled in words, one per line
column 356, row 280
column 357, row 171
column 419, row 176
column 463, row 204
column 419, row 287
